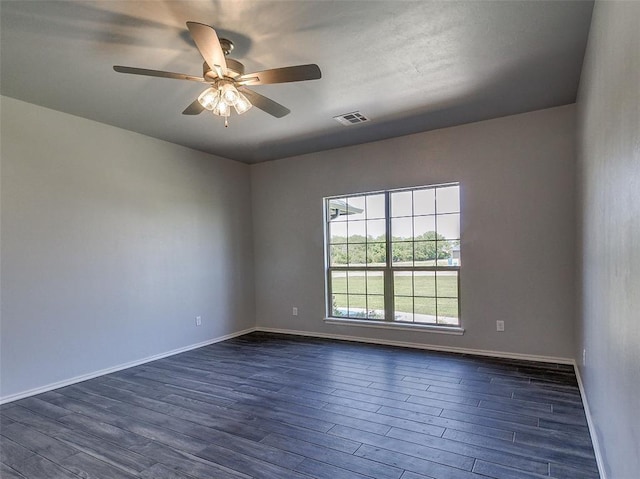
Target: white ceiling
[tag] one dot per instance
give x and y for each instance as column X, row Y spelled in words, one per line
column 410, row 66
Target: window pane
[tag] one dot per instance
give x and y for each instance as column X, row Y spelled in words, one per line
column 425, row 252
column 357, row 282
column 401, row 203
column 339, row 281
column 375, row 282
column 424, row 283
column 444, row 253
column 425, row 310
column 357, row 254
column 403, row 309
column 424, row 202
column 338, row 254
column 454, row 250
column 376, row 230
column 403, row 283
column 402, row 228
column 448, row 311
column 357, row 231
column 375, row 206
column 375, row 307
column 357, row 306
column 447, row 284
column 355, row 208
column 402, row 253
column 337, row 209
column 339, row 306
column 448, row 199
column 449, row 226
column 338, row 231
column 376, row 254
column 424, row 227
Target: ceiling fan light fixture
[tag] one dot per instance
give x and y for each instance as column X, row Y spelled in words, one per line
column 222, row 96
column 209, row 98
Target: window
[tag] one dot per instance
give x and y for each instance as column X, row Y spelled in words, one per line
column 394, row 256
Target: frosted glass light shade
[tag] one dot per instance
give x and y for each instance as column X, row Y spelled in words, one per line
column 229, row 93
column 222, row 109
column 242, row 104
column 209, row 98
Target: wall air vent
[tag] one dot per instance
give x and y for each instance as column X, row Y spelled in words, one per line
column 352, row 118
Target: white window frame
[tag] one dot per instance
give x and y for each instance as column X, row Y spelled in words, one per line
column 387, row 269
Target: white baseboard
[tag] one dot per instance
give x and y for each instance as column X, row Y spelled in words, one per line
column 430, row 347
column 119, row 367
column 592, row 430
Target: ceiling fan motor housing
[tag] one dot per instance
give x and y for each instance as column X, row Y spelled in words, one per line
column 234, row 69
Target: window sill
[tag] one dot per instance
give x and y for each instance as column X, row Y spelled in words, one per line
column 367, row 323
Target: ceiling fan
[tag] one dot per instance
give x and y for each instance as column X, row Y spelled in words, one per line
column 226, row 78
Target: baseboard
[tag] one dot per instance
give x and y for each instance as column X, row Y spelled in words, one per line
column 430, row 347
column 592, row 430
column 119, row 367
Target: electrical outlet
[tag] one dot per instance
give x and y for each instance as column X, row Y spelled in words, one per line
column 198, row 320
column 499, row 325
column 295, row 311
column 584, row 357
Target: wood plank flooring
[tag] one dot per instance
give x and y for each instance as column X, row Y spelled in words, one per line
column 282, row 407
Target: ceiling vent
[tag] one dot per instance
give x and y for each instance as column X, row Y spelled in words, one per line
column 352, row 118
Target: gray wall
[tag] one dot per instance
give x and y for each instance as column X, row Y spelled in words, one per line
column 609, row 233
column 518, row 228
column 112, row 243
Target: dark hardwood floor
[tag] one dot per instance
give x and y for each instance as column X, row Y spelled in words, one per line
column 274, row 406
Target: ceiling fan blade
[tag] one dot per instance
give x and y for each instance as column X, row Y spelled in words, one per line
column 208, row 43
column 194, row 108
column 265, row 104
column 282, row 75
column 156, row 73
